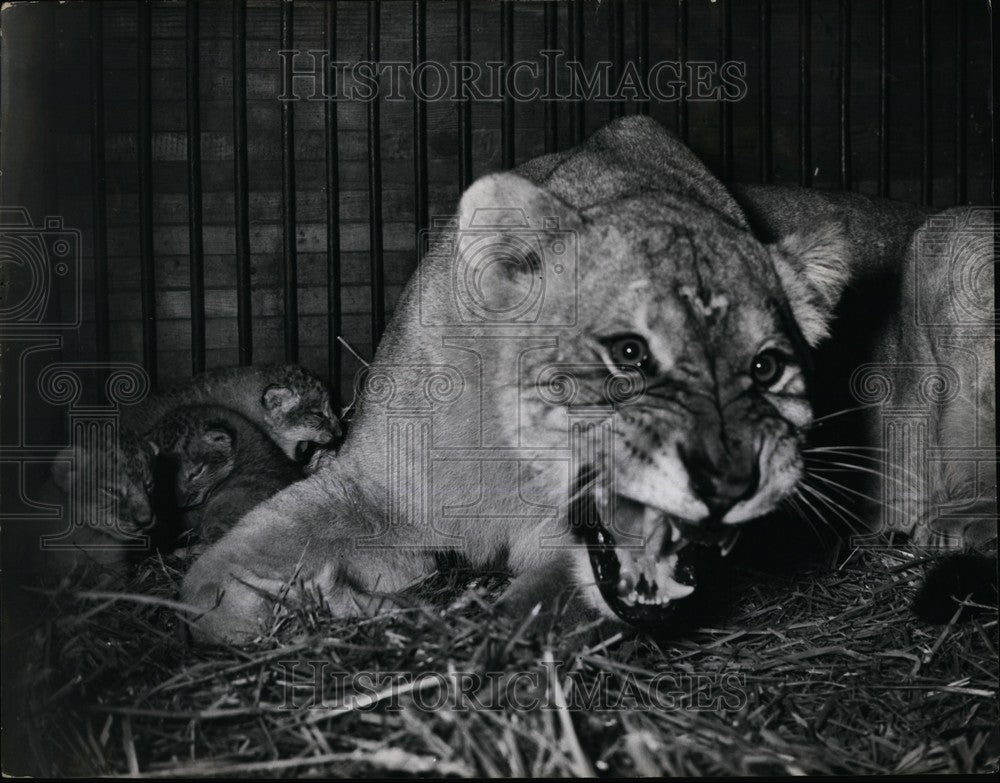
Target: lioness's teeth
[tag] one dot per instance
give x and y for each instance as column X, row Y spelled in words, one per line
column 672, row 590
column 622, row 587
column 654, row 541
column 650, row 520
column 729, row 542
column 675, row 534
column 667, row 586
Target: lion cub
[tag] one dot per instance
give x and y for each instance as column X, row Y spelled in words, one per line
column 291, row 404
column 212, row 466
column 104, row 522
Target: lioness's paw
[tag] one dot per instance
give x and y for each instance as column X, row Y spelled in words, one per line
column 229, row 610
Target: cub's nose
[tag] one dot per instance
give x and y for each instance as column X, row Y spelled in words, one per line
column 720, row 480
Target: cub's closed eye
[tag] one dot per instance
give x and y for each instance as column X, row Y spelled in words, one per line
column 628, row 350
column 768, row 367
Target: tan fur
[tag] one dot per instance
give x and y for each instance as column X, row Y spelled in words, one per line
column 927, row 368
column 938, row 357
column 813, row 274
column 462, row 440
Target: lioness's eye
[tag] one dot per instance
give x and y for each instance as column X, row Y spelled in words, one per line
column 768, row 367
column 629, row 350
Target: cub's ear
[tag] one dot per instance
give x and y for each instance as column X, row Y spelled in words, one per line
column 279, row 398
column 509, row 229
column 218, row 439
column 814, row 268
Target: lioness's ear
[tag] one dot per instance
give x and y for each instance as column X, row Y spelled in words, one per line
column 508, row 200
column 514, row 239
column 814, row 268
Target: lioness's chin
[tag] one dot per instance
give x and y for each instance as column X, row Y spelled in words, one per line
column 646, row 562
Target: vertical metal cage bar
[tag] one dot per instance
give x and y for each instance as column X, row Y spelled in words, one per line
column 507, row 105
column 844, row 89
column 375, row 182
column 764, row 88
column 616, row 51
column 551, row 22
column 98, row 179
column 331, row 128
column 805, row 97
column 642, row 47
column 680, row 46
column 464, row 101
column 726, row 124
column 241, row 184
column 578, row 115
column 883, row 98
column 960, row 105
column 147, row 269
column 291, row 276
column 195, row 240
column 926, row 161
column 421, row 217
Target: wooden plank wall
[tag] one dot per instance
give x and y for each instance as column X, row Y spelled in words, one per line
column 263, row 87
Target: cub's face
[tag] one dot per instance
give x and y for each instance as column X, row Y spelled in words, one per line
column 114, row 483
column 685, row 371
column 194, row 458
column 300, row 417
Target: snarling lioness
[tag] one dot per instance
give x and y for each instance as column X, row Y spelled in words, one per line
column 598, row 373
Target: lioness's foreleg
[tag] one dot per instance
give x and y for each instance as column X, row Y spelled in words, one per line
column 300, row 541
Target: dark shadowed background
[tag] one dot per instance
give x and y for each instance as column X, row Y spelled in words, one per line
column 820, row 65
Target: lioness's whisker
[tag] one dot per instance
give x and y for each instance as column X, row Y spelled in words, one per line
column 843, row 412
column 824, row 520
column 840, row 467
column 844, row 488
column 801, row 513
column 845, row 449
column 815, row 510
column 863, row 469
column 837, row 508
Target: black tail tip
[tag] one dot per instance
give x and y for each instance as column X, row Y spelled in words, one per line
column 950, row 580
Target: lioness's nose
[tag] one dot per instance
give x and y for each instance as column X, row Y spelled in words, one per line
column 719, row 478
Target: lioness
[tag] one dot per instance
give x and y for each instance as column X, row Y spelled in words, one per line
column 598, row 372
column 912, row 354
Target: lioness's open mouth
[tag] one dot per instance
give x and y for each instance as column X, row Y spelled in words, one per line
column 645, row 561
